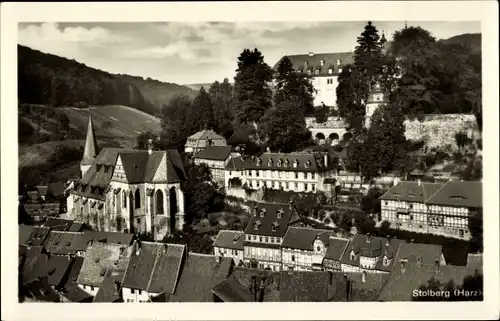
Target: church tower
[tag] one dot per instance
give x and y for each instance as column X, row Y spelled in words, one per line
column 376, row 98
column 90, row 151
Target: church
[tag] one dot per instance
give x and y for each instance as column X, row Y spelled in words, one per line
column 129, row 190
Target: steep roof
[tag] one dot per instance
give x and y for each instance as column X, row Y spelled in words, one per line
column 24, row 233
column 109, row 290
column 237, row 164
column 45, row 209
column 230, row 239
column 263, row 225
column 357, row 286
column 70, row 289
column 336, row 248
column 305, row 162
column 38, row 235
column 201, row 273
column 460, row 194
column 31, row 257
column 410, row 191
column 90, row 150
column 59, row 224
column 303, row 238
column 206, row 134
column 304, row 286
column 63, row 243
column 167, row 268
column 314, row 62
column 219, row 153
column 475, row 261
column 105, row 237
column 40, row 290
column 231, row 290
column 57, row 188
column 99, row 258
column 141, row 265
column 54, row 267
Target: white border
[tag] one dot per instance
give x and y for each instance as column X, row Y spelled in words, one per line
column 484, row 11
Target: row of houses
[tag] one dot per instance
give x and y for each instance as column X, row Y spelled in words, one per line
column 67, row 266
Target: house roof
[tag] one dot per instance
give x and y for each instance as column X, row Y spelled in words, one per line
column 25, row 233
column 201, row 273
column 58, row 224
column 263, row 225
column 54, row 267
column 31, row 257
column 376, row 247
column 99, row 258
column 141, row 265
column 475, row 261
column 357, row 286
column 231, row 290
column 45, row 209
column 76, row 227
column 109, row 289
column 62, row 242
column 167, row 268
column 42, row 190
column 303, row 238
column 40, row 290
column 314, row 62
column 460, row 194
column 105, row 237
column 304, row 286
column 336, row 248
column 230, row 239
column 426, row 253
column 306, row 162
column 410, row 191
column 38, row 235
column 57, row 188
column 90, row 149
column 205, row 134
column 70, row 289
column 218, row 153
column 237, row 163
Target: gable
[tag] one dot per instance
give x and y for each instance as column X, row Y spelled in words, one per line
column 119, row 172
column 161, row 171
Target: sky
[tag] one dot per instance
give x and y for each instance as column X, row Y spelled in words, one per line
column 202, row 52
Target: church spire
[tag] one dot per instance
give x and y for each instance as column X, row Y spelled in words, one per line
column 90, row 151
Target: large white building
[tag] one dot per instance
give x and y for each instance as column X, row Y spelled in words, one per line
column 324, row 69
column 437, row 208
column 129, row 190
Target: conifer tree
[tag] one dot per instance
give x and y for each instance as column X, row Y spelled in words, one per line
column 368, row 54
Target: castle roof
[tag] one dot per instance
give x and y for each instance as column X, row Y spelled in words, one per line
column 334, row 61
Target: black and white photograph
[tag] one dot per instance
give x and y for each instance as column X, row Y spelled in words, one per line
column 224, row 161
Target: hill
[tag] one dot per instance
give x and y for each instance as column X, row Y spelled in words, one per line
column 197, row 87
column 471, row 41
column 47, row 79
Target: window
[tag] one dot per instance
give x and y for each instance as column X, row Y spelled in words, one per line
column 273, row 228
column 293, row 258
column 140, row 292
column 91, row 288
column 270, row 162
column 249, row 237
column 318, row 248
column 84, row 287
column 316, row 72
column 296, row 185
column 296, row 175
column 230, row 173
column 132, row 291
column 257, row 173
column 280, row 162
column 267, row 239
column 330, row 71
column 340, row 70
column 295, row 163
column 313, row 175
column 249, row 173
column 260, row 239
column 314, row 188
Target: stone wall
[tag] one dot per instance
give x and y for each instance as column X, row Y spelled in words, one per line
column 438, row 131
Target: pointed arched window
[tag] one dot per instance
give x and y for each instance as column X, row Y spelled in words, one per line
column 137, row 199
column 159, row 202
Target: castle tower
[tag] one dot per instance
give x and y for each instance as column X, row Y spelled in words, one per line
column 376, row 98
column 90, row 151
column 383, row 43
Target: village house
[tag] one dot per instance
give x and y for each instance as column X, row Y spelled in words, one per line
column 230, row 244
column 336, row 249
column 203, row 139
column 436, row 208
column 153, row 269
column 216, row 159
column 370, row 253
column 234, row 174
column 129, row 190
column 304, row 248
column 264, row 234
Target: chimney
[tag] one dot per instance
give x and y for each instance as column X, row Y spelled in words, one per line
column 255, row 210
column 262, row 287
column 396, row 181
column 388, row 240
column 363, row 277
column 311, row 54
column 419, row 182
column 291, row 206
column 368, row 238
column 150, row 146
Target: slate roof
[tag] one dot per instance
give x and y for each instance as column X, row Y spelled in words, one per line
column 62, row 242
column 70, row 289
column 58, row 224
column 105, row 237
column 270, row 217
column 231, row 290
column 25, row 233
column 200, row 274
column 38, row 235
column 307, row 162
column 411, row 191
column 218, row 153
column 40, row 290
column 57, row 189
column 304, row 286
column 353, row 287
column 205, row 134
column 314, row 62
column 237, row 164
column 54, row 267
column 45, row 209
column 141, row 265
column 31, row 257
column 99, row 258
column 76, row 227
column 475, row 261
column 377, row 247
column 303, row 238
column 336, row 248
column 426, row 253
column 230, row 240
column 167, row 268
column 460, row 194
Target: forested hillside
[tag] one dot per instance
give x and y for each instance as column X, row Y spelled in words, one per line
column 47, row 79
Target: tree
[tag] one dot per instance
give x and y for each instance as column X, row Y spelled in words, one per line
column 221, row 95
column 384, row 227
column 475, row 225
column 368, row 56
column 176, row 122
column 351, row 92
column 284, row 128
column 203, row 109
column 371, row 202
column 142, row 140
column 293, row 86
column 462, row 140
column 321, row 114
column 251, row 87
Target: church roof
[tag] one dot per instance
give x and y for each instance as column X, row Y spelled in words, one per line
column 90, row 151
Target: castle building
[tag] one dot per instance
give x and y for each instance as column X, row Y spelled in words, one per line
column 216, row 159
column 324, row 69
column 436, row 208
column 127, row 190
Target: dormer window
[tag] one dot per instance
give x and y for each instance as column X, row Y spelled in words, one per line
column 352, row 255
column 279, row 213
column 321, row 62
column 259, row 161
column 295, row 163
column 287, row 163
column 330, row 71
column 280, row 162
column 270, row 162
column 340, row 70
column 316, row 72
column 386, row 261
column 273, row 228
column 308, row 164
column 262, row 212
column 338, row 62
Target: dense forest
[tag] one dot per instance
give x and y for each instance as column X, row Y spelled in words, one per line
column 48, row 79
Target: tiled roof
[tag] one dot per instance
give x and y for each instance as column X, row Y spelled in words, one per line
column 110, row 289
column 58, row 224
column 314, row 62
column 201, row 273
column 25, row 233
column 141, row 265
column 303, row 238
column 402, row 282
column 306, row 162
column 237, row 164
column 219, row 153
column 76, row 227
column 71, row 290
column 230, row 240
column 475, row 261
column 426, row 253
column 410, row 191
column 63, row 243
column 167, row 268
column 231, row 290
column 54, row 267
column 99, row 258
column 205, row 134
column 40, row 290
column 264, row 225
column 38, row 235
column 457, row 193
column 57, row 188
column 30, row 260
column 45, row 209
column 336, row 248
column 304, row 286
column 376, row 247
column 105, row 237
column 357, row 286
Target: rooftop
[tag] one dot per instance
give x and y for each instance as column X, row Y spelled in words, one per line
column 303, row 238
column 270, row 219
column 218, row 153
column 230, row 239
column 321, row 62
